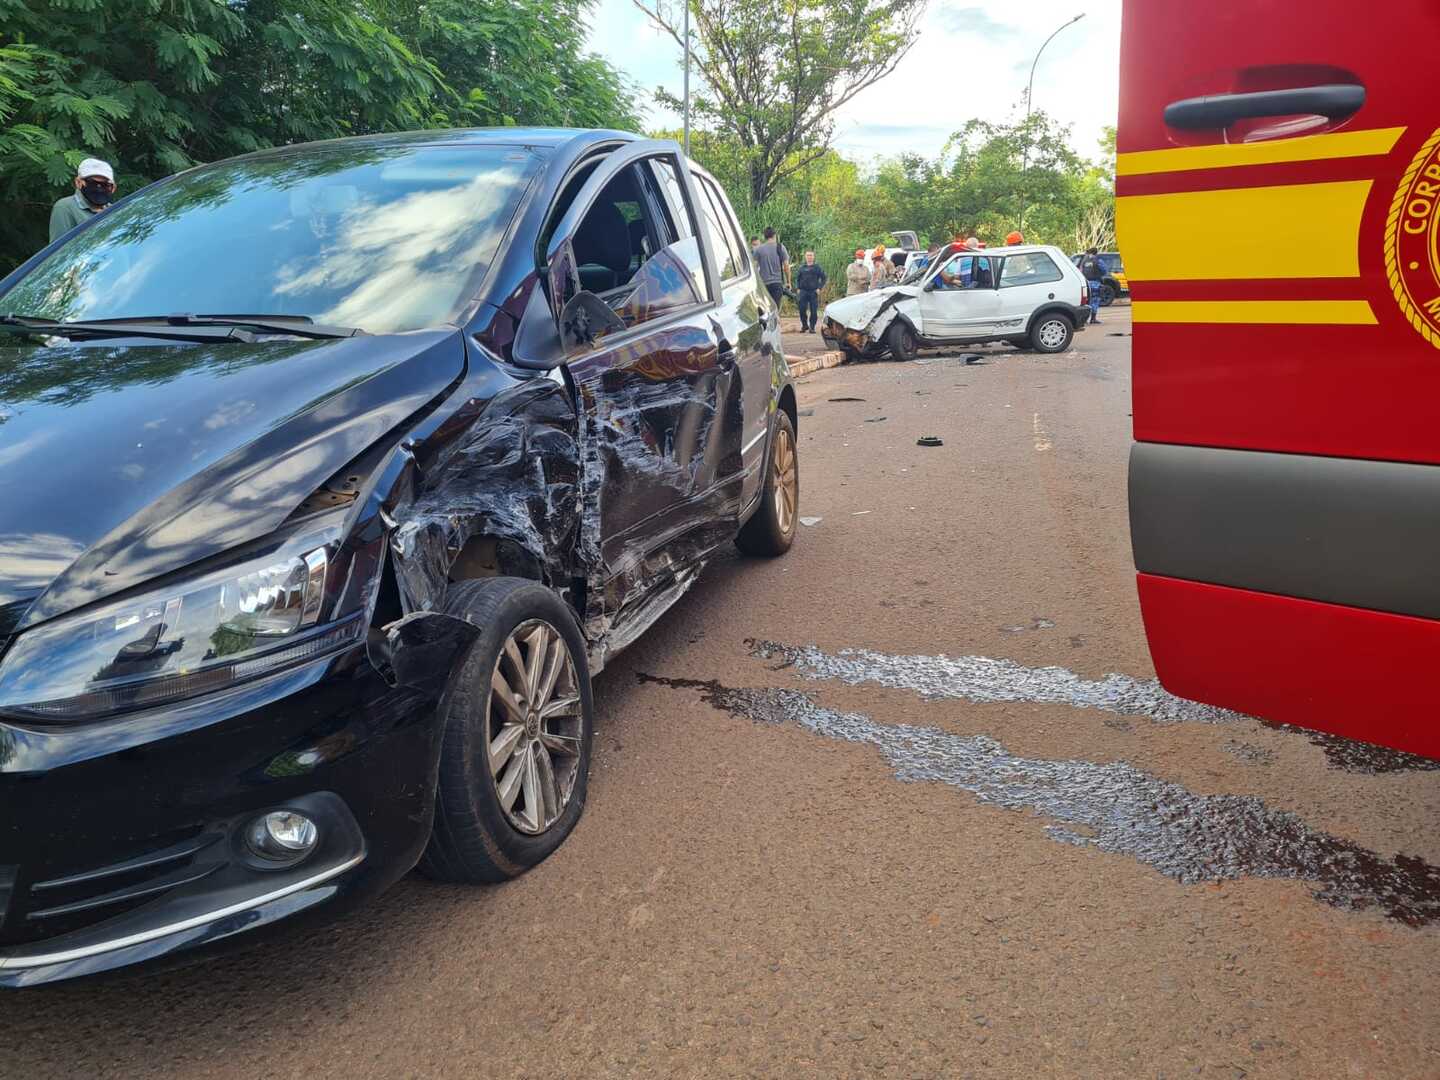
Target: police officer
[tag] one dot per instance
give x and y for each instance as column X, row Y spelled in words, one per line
column 809, row 280
column 1094, row 271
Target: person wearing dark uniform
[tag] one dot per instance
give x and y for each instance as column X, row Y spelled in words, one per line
column 809, row 280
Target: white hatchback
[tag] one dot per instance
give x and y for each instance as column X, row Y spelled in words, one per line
column 1030, row 295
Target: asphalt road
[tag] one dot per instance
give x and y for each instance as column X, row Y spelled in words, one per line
column 903, row 803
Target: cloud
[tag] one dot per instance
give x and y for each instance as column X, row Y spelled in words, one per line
column 976, row 21
column 917, row 108
column 892, row 131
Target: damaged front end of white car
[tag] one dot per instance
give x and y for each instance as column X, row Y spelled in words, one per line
column 857, row 324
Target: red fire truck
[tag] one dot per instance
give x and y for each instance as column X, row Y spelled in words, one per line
column 1278, row 206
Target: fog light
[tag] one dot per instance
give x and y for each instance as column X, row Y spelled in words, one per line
column 282, row 836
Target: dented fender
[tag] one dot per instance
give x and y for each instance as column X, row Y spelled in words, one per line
column 873, row 312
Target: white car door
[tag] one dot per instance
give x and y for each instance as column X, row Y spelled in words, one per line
column 1027, row 280
column 956, row 313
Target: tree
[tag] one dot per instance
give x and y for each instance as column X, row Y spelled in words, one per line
column 774, row 72
column 156, row 86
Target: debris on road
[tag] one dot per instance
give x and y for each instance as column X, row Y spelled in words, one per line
column 811, row 520
column 845, row 399
column 875, row 419
column 929, row 440
column 1111, row 806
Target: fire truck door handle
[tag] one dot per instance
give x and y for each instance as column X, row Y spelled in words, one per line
column 1221, row 110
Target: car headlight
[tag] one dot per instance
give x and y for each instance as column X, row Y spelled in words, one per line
column 202, row 635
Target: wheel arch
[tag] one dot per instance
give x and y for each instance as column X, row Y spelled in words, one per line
column 1056, row 308
column 787, row 405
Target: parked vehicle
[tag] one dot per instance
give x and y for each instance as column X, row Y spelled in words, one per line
column 308, row 585
column 1029, row 295
column 1277, row 203
column 1115, row 285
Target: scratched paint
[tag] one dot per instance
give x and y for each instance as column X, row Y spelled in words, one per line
column 1117, row 808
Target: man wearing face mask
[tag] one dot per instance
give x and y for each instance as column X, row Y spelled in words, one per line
column 94, row 189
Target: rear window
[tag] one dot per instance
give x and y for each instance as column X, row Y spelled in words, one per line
column 1031, row 268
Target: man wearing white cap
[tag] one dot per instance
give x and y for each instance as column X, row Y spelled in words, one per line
column 94, row 188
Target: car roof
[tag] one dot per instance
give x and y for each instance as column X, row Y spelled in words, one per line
column 535, row 138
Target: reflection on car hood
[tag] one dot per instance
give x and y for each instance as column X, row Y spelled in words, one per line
column 855, row 312
column 122, row 462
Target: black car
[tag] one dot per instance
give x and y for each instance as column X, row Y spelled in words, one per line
column 329, row 477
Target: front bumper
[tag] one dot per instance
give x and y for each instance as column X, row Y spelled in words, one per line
column 852, row 341
column 120, row 841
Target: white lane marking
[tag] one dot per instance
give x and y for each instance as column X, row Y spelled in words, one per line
column 1042, row 437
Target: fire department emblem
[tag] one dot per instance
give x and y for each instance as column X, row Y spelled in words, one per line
column 1412, row 253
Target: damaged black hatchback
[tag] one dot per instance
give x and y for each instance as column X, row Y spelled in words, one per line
column 329, row 477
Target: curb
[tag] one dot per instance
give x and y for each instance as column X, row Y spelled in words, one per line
column 805, row 365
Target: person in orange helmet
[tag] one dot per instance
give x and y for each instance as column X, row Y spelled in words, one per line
column 1013, row 237
column 882, row 273
column 857, row 274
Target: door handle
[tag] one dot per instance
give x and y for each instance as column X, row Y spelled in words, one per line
column 1221, row 110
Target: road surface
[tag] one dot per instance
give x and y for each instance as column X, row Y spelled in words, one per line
column 903, row 803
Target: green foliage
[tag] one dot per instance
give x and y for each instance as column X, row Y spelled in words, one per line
column 155, row 86
column 774, row 72
column 977, row 186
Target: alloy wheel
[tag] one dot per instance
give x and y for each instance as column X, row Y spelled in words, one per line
column 1051, row 333
column 787, row 486
column 534, row 729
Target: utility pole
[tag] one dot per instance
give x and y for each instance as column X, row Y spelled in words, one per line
column 1029, row 93
column 687, row 78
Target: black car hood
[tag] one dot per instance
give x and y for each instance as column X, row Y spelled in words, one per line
column 122, row 462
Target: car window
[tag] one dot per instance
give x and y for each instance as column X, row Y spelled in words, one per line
column 720, row 242
column 1112, row 263
column 964, row 272
column 679, row 219
column 613, row 250
column 1031, row 268
column 665, row 284
column 732, row 227
column 383, row 238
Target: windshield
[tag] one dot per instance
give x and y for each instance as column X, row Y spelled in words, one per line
column 381, row 238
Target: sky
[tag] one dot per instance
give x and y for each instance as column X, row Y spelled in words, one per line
column 915, row 108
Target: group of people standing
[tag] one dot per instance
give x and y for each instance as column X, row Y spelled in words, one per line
column 875, row 270
column 772, row 262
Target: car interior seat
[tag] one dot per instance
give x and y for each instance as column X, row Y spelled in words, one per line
column 602, row 248
column 638, row 241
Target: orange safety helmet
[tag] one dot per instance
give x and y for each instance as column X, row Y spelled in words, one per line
column 1015, row 236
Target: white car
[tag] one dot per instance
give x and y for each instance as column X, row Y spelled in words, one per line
column 1030, row 295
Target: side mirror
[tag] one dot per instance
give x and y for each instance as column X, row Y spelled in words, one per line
column 584, row 320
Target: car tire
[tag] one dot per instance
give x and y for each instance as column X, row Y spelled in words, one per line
column 900, row 339
column 497, row 816
column 1052, row 333
column 1108, row 292
column 771, row 528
